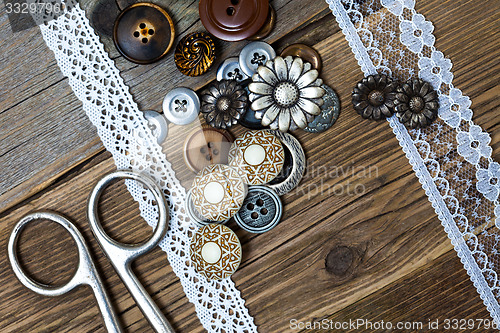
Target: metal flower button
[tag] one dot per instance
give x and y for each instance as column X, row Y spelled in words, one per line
column 374, row 96
column 215, row 251
column 416, row 103
column 257, row 156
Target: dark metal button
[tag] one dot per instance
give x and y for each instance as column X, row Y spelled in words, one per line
column 261, row 211
column 248, row 119
column 230, row 70
column 254, row 55
column 143, row 33
column 305, row 52
column 206, row 146
column 181, row 106
column 293, row 167
column 267, row 27
column 330, row 111
column 195, row 54
column 233, row 20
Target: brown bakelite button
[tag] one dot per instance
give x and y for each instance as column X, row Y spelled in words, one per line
column 233, row 20
column 143, row 33
column 206, row 146
column 305, row 52
column 267, row 27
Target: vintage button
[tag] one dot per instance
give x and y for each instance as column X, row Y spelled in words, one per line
column 293, row 167
column 305, row 52
column 233, row 20
column 261, row 211
column 330, row 111
column 181, row 106
column 157, row 124
column 248, row 119
column 254, row 55
column 143, row 33
column 215, row 251
column 206, row 146
column 230, row 70
column 194, row 215
column 258, row 157
column 267, row 27
column 218, row 192
column 195, row 54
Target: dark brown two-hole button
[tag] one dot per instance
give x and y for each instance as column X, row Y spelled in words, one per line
column 233, row 20
column 206, row 146
column 143, row 33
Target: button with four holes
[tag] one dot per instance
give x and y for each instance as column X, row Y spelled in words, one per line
column 158, row 126
column 261, row 210
column 143, row 33
column 230, row 70
column 254, row 55
column 206, row 146
column 181, row 106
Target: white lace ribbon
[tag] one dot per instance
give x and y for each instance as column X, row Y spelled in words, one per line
column 108, row 103
column 389, row 36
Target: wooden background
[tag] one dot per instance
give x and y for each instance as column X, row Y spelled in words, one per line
column 378, row 255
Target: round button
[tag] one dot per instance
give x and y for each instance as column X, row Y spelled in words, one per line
column 305, row 52
column 330, row 111
column 258, row 157
column 206, row 146
column 158, row 126
column 143, row 33
column 267, row 27
column 181, row 106
column 215, row 252
column 218, row 192
column 195, row 54
column 233, row 20
column 261, row 211
column 294, row 166
column 230, row 70
column 254, row 55
column 193, row 213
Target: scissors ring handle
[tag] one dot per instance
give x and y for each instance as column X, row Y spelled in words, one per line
column 83, row 254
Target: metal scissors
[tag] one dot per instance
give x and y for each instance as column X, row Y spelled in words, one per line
column 121, row 256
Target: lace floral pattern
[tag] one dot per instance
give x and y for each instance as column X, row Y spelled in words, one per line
column 108, row 103
column 452, row 157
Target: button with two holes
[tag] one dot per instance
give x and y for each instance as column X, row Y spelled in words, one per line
column 181, row 106
column 205, row 146
column 143, row 33
column 261, row 211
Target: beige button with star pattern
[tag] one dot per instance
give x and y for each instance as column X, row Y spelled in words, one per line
column 215, row 251
column 257, row 156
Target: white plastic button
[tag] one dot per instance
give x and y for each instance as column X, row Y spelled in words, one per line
column 230, row 70
column 181, row 106
column 254, row 55
column 158, row 126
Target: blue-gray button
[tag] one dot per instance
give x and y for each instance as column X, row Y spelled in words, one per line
column 157, row 124
column 230, row 70
column 261, row 211
column 330, row 111
column 254, row 55
column 181, row 106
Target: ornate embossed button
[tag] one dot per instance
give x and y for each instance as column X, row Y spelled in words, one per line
column 143, row 33
column 206, row 146
column 304, row 51
column 261, row 211
column 194, row 215
column 218, row 192
column 230, row 70
column 233, row 20
column 254, row 55
column 267, row 27
column 215, row 251
column 293, row 167
column 195, row 54
column 181, row 106
column 157, row 124
column 223, row 103
column 330, row 111
column 258, row 157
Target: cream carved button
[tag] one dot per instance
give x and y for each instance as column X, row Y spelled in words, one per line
column 258, row 156
column 218, row 192
column 215, row 251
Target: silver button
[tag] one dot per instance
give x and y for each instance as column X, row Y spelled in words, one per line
column 294, row 167
column 330, row 111
column 254, row 55
column 181, row 106
column 230, row 70
column 158, row 126
column 261, row 210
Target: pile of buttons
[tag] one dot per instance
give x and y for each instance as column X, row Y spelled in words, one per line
column 270, row 94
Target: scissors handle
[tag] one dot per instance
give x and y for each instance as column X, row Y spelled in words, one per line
column 86, row 272
column 121, row 255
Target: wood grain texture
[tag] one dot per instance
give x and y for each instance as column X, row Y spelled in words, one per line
column 358, row 239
